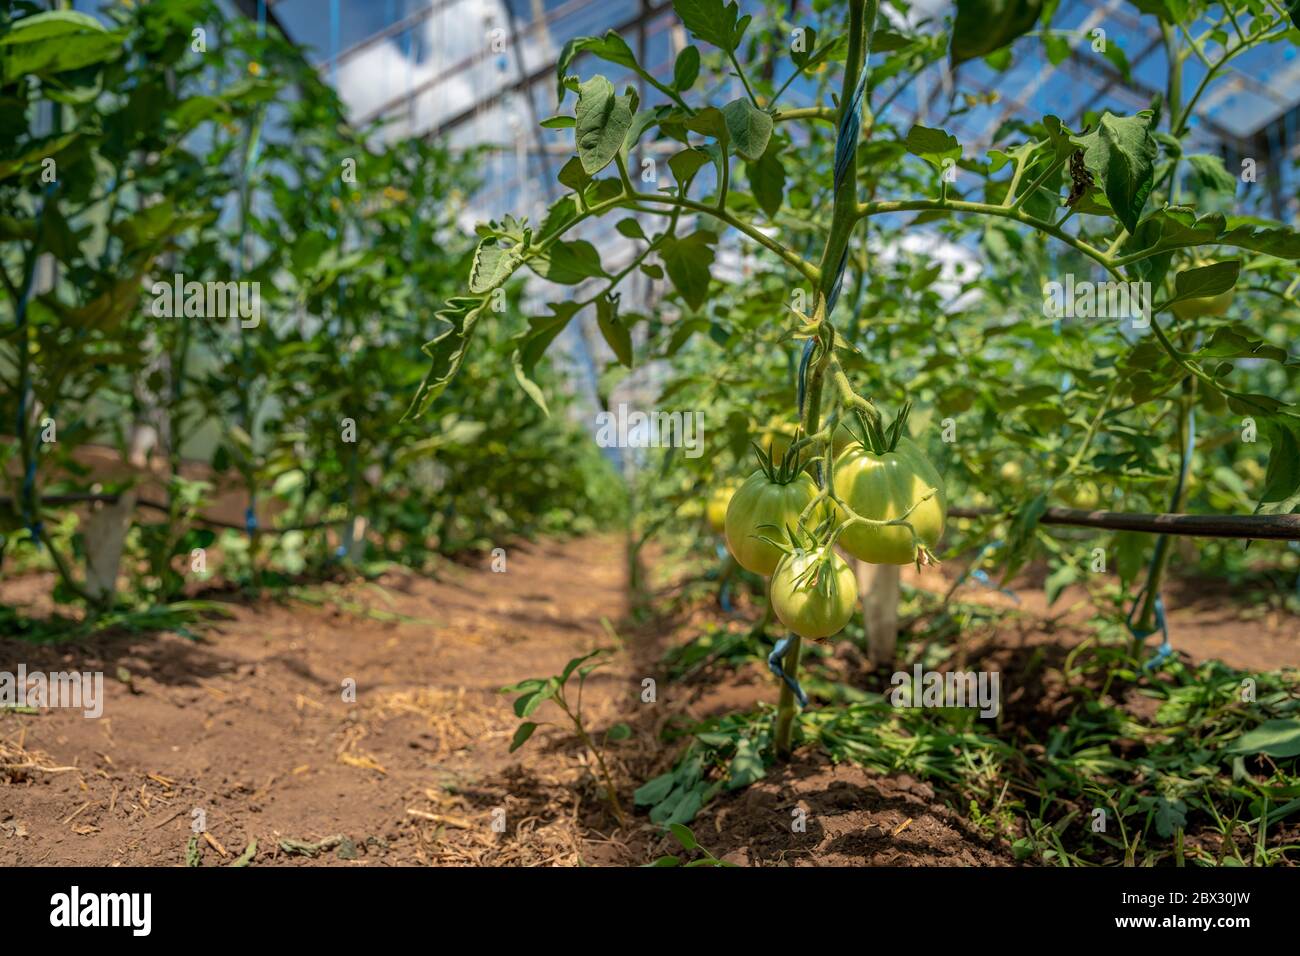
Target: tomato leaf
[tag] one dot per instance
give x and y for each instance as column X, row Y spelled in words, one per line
column 1205, row 281
column 983, row 26
column 1276, row 738
column 686, row 69
column 602, row 121
column 1121, row 154
column 522, row 733
column 447, row 350
column 748, row 127
column 932, row 145
column 1282, row 480
column 767, row 181
column 615, row 333
column 713, row 22
column 687, row 261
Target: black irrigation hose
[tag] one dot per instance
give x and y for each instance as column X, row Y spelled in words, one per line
column 76, row 499
column 1256, row 527
column 1246, row 527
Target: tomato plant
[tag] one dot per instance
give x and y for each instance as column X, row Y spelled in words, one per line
column 137, row 155
column 812, row 189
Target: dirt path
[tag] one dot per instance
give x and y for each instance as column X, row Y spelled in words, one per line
column 250, row 726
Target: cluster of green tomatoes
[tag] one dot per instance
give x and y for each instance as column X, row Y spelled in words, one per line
column 883, row 503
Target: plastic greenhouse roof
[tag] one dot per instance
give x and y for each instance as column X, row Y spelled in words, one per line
column 483, row 71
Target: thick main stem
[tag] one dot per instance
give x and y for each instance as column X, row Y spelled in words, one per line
column 1146, row 617
column 844, row 216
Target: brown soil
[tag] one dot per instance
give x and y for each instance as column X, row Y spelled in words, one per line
column 250, row 725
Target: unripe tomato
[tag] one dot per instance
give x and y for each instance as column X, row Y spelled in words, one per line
column 817, row 606
column 883, row 487
column 1252, row 471
column 1213, row 305
column 1196, row 308
column 1010, row 472
column 761, row 501
column 716, row 509
column 1084, row 495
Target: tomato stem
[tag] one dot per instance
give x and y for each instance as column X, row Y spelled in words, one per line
column 844, row 217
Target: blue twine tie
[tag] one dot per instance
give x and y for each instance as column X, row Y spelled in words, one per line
column 982, row 576
column 846, row 142
column 774, row 665
column 250, row 520
column 1166, row 649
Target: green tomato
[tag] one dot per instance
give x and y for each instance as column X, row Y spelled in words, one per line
column 716, row 508
column 1084, row 495
column 1196, row 308
column 821, row 605
column 1010, row 472
column 758, row 502
column 884, row 487
column 1214, row 305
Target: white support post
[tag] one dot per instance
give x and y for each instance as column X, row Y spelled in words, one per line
column 878, row 588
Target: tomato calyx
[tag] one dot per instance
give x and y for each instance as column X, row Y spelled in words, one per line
column 796, row 539
column 876, row 437
column 788, row 468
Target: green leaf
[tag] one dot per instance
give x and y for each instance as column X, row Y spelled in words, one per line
column 630, row 228
column 983, row 26
column 616, row 334
column 665, row 861
column 573, row 664
column 1211, row 174
column 618, row 732
column 1205, row 281
column 568, row 263
column 686, row 69
column 447, row 350
column 1227, row 342
column 767, row 181
column 1170, row 815
column 653, row 791
column 493, row 265
column 573, row 175
column 1021, row 535
column 55, row 42
column 1276, row 738
column 611, row 47
column 1282, row 480
column 932, row 145
column 712, row 22
column 688, row 262
column 522, row 733
column 683, row 835
column 746, row 765
column 602, row 123
column 1121, row 154
column 1058, row 581
column 1119, row 60
column 531, row 345
column 749, row 128
column 1057, row 49
column 686, row 164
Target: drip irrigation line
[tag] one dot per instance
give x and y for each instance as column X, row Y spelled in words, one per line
column 78, row 499
column 1246, row 527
